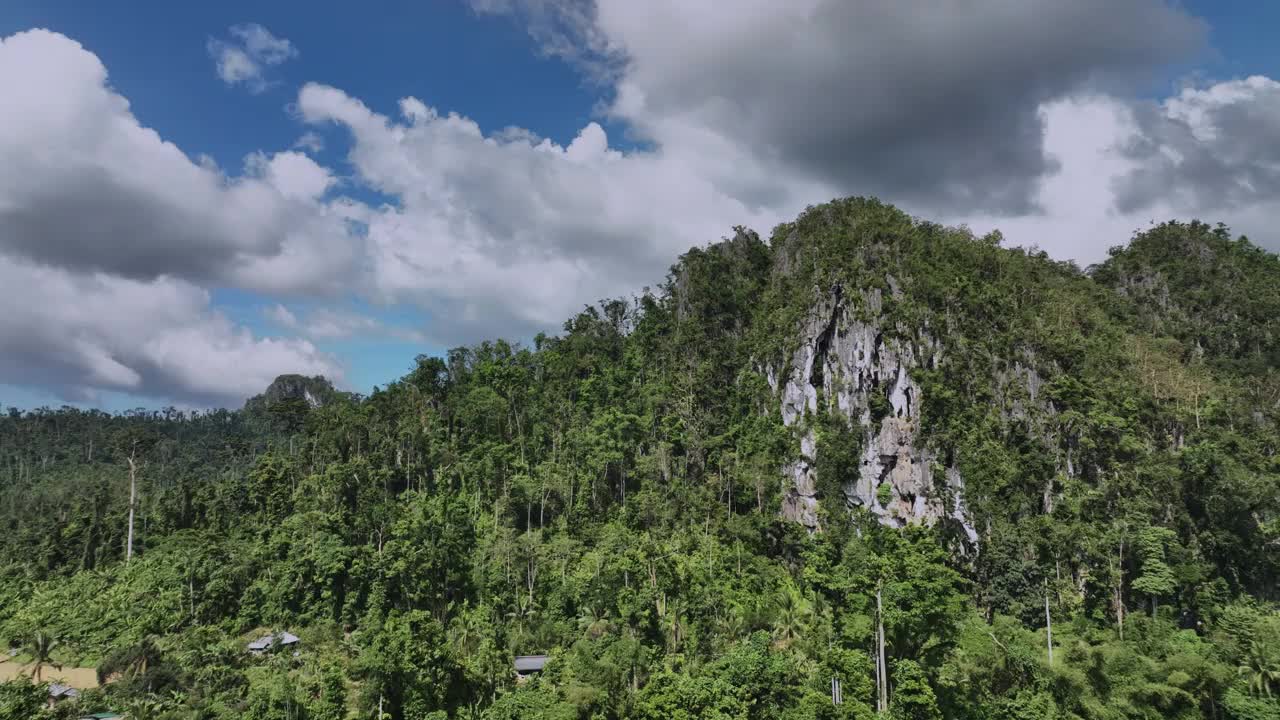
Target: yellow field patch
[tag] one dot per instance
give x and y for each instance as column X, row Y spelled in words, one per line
column 79, row 678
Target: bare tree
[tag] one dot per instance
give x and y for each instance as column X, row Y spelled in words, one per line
column 133, row 497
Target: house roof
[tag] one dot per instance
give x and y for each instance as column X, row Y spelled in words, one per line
column 102, row 716
column 57, row 690
column 530, row 663
column 265, row 641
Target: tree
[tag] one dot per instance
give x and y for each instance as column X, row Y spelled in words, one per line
column 1156, row 576
column 790, row 616
column 913, row 698
column 21, row 699
column 1260, row 666
column 331, row 698
column 40, row 647
column 140, row 664
column 133, row 444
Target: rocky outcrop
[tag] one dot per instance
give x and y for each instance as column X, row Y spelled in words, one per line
column 314, row 391
column 849, row 363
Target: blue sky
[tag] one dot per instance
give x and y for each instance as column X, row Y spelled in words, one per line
column 437, row 50
column 155, row 51
column 667, row 124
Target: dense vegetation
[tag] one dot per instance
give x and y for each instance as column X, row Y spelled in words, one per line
column 611, row 497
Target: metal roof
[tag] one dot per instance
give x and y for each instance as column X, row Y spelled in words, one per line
column 265, row 641
column 59, row 690
column 530, row 663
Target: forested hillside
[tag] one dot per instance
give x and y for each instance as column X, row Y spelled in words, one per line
column 871, row 448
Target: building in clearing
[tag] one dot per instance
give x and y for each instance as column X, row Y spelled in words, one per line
column 267, row 642
column 103, row 716
column 527, row 665
column 58, row 691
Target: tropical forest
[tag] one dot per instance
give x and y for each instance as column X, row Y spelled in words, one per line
column 869, row 466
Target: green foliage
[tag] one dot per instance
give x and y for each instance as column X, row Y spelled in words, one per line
column 22, row 699
column 1156, row 576
column 913, row 697
column 610, row 495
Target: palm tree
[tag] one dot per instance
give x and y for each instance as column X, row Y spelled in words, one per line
column 593, row 620
column 523, row 616
column 41, row 651
column 789, row 618
column 149, row 708
column 466, row 632
column 1261, row 667
column 131, row 662
column 732, row 622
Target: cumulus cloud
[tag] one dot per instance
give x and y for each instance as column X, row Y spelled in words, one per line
column 1011, row 117
column 507, row 233
column 85, row 186
column 243, row 59
column 1206, row 149
column 934, row 105
column 1208, row 153
column 108, row 233
column 1079, row 220
column 79, row 333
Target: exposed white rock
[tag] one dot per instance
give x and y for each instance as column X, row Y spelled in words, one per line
column 846, row 359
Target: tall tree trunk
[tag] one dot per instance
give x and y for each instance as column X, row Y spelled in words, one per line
column 133, row 500
column 882, row 699
column 1048, row 623
column 1120, row 590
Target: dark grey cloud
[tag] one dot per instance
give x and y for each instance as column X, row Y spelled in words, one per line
column 932, row 104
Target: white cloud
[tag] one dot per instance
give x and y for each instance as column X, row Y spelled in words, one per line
column 1208, row 149
column 244, row 59
column 282, row 316
column 1078, row 220
column 107, row 234
column 507, row 233
column 79, row 333
column 1208, row 153
column 310, row 141
column 993, row 113
column 85, row 186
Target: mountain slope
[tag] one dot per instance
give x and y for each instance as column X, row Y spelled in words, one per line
column 869, row 435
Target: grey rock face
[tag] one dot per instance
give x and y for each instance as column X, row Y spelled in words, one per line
column 314, row 391
column 1020, row 394
column 848, row 365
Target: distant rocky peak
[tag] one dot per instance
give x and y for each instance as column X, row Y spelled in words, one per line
column 314, row 391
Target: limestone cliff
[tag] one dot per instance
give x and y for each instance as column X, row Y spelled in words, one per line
column 847, row 365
